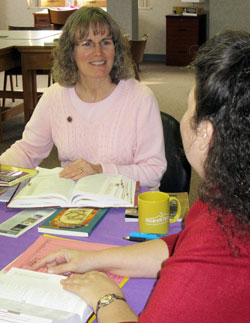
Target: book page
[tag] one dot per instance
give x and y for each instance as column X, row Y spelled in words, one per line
column 48, row 185
column 47, row 189
column 17, row 312
column 104, row 187
column 40, row 289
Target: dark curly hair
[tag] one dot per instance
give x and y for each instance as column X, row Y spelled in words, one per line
column 222, row 69
column 65, row 70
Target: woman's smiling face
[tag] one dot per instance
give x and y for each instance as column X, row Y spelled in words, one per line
column 94, row 56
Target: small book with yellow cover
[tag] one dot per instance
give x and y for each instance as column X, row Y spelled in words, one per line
column 10, row 176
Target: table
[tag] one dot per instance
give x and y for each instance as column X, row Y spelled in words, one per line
column 27, row 34
column 109, row 231
column 34, row 55
column 26, row 48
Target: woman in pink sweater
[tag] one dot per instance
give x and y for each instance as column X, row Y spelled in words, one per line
column 97, row 115
column 204, row 271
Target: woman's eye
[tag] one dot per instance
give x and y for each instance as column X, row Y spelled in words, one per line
column 87, row 44
column 106, row 42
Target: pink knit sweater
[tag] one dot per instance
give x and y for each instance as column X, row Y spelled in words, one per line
column 122, row 132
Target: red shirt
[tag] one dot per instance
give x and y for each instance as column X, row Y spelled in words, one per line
column 201, row 282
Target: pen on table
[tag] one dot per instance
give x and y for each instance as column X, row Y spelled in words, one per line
column 135, row 239
column 140, row 236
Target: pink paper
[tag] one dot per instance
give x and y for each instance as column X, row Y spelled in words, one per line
column 47, row 244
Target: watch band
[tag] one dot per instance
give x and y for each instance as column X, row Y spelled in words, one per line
column 106, row 300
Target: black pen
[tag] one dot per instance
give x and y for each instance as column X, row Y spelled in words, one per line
column 135, row 239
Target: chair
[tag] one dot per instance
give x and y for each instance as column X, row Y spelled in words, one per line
column 178, row 174
column 58, row 18
column 15, row 71
column 137, row 48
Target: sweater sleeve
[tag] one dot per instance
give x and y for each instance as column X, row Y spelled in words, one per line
column 36, row 142
column 149, row 157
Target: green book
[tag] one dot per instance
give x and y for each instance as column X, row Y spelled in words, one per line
column 79, row 222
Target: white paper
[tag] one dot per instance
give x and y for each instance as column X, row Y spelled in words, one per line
column 40, row 289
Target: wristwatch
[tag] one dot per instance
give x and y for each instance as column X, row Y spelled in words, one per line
column 106, row 300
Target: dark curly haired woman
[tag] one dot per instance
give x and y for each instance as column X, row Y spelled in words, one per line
column 99, row 117
column 204, row 271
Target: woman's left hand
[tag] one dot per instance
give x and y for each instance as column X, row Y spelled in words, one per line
column 80, row 168
column 91, row 286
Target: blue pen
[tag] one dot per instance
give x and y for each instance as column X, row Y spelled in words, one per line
column 147, row 236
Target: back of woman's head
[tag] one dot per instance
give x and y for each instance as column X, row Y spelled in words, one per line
column 65, row 70
column 222, row 71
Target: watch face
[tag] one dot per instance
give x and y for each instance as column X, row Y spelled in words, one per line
column 106, row 300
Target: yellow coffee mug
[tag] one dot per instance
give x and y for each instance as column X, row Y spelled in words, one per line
column 154, row 212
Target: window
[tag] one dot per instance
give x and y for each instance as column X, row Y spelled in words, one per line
column 64, row 3
column 53, row 3
column 142, row 4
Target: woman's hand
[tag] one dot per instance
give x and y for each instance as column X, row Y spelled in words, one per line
column 80, row 168
column 66, row 261
column 91, row 286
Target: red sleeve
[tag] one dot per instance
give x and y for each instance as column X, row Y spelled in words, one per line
column 171, row 242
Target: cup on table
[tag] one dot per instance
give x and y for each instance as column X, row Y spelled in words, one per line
column 154, row 212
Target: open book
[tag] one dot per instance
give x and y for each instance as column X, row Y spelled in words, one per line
column 29, row 296
column 47, row 189
column 10, row 176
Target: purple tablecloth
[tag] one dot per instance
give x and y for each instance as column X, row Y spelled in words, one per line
column 109, row 231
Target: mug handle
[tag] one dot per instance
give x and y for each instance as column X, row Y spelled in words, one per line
column 178, row 213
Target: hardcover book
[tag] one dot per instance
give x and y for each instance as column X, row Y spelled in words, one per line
column 30, row 296
column 78, row 222
column 48, row 189
column 10, row 176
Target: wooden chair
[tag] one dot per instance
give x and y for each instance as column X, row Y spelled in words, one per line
column 58, row 18
column 137, row 48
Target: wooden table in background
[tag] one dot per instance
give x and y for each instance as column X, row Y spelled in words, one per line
column 34, row 56
column 28, row 49
column 9, row 58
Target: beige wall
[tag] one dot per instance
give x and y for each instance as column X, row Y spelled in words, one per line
column 222, row 14
column 229, row 14
column 15, row 12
